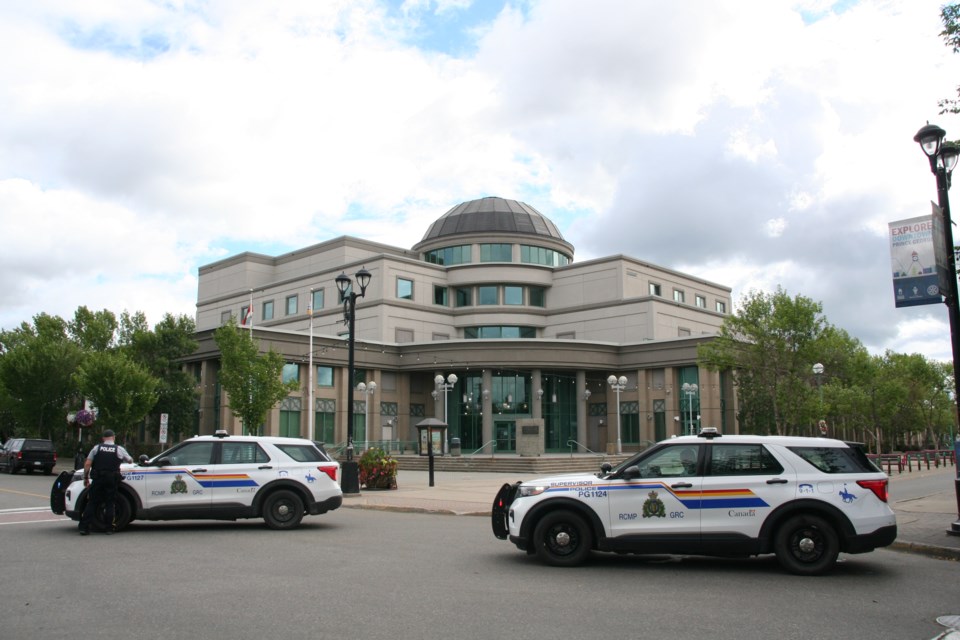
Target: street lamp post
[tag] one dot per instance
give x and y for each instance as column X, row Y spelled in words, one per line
column 350, row 470
column 367, row 390
column 445, row 387
column 943, row 158
column 690, row 389
column 618, row 385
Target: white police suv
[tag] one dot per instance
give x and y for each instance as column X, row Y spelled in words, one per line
column 218, row 477
column 804, row 499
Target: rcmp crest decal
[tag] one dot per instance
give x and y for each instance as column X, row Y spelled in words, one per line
column 178, row 485
column 653, row 507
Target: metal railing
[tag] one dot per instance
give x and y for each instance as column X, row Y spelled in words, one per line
column 493, row 448
column 571, row 443
column 336, row 449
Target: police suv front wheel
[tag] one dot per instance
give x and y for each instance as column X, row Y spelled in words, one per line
column 562, row 539
column 283, row 510
column 807, row 545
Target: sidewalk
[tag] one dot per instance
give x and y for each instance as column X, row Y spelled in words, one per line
column 922, row 522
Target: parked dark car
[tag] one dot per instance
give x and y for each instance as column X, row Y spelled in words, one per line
column 28, row 453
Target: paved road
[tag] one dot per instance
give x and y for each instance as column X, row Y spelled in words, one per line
column 357, row 573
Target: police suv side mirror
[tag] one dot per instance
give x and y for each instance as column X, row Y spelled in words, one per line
column 163, row 462
column 631, row 473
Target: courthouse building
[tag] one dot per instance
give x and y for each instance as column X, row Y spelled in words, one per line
column 492, row 295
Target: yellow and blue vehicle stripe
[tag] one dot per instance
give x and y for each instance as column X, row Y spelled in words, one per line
column 207, row 480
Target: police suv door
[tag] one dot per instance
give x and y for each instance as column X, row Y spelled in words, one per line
column 742, row 484
column 244, row 467
column 178, row 483
column 663, row 499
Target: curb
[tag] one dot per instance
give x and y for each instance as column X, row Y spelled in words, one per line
column 930, row 550
column 408, row 509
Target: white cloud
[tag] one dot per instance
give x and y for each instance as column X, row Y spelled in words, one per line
column 754, row 143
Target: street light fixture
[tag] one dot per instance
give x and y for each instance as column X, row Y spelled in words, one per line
column 690, row 389
column 367, row 390
column 350, row 470
column 618, row 385
column 818, row 374
column 943, row 158
column 445, row 387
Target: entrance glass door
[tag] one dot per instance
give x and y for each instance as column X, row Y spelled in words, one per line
column 506, row 434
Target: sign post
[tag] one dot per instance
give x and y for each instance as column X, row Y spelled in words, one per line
column 163, row 428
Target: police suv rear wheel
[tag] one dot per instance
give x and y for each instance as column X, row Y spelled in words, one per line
column 562, row 539
column 283, row 510
column 807, row 545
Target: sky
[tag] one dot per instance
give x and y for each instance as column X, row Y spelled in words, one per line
column 753, row 143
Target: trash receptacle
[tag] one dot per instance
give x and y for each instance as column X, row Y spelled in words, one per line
column 455, row 447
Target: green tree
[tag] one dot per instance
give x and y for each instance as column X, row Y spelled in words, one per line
column 160, row 351
column 93, row 330
column 252, row 380
column 36, row 369
column 122, row 390
column 950, row 16
column 769, row 346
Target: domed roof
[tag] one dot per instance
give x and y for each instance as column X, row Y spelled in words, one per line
column 492, row 215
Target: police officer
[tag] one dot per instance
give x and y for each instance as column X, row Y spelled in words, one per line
column 103, row 465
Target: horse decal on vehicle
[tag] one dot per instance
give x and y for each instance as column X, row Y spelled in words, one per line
column 847, row 496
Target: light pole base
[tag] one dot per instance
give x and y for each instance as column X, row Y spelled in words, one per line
column 350, row 477
column 954, row 529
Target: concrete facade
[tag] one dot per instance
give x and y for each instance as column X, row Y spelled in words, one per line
column 506, row 327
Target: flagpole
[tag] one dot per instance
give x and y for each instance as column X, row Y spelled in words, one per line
column 310, row 409
column 250, row 313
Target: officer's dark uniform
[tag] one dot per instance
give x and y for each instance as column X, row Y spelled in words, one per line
column 105, row 473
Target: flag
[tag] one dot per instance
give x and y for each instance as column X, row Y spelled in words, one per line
column 247, row 316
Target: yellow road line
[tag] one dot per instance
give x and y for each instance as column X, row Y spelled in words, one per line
column 23, row 493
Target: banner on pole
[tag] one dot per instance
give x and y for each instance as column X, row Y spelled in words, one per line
column 916, row 280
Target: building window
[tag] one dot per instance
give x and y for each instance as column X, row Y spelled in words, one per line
column 404, row 289
column 567, row 335
column 440, row 295
column 512, row 295
column 403, row 335
column 542, row 255
column 325, row 423
column 496, row 253
column 441, row 336
column 291, row 372
column 701, row 302
column 268, row 310
column 487, row 295
column 721, row 306
column 494, row 332
column 449, row 255
column 654, row 289
column 317, row 299
column 291, row 305
column 464, row 297
column 225, row 317
column 538, row 297
column 324, row 376
column 678, row 295
column 683, row 332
